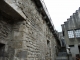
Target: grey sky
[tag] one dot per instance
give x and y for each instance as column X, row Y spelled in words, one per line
column 60, row 10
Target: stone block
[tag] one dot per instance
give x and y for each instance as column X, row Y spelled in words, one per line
column 19, row 35
column 16, row 44
column 21, row 54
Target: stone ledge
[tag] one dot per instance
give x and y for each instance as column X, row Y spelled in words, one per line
column 12, row 10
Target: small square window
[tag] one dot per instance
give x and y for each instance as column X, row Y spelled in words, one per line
column 70, row 34
column 77, row 33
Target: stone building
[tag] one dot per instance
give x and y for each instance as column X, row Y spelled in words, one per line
column 71, row 32
column 26, row 31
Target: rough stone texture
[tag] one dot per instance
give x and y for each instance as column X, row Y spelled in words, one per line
column 5, row 37
column 30, row 39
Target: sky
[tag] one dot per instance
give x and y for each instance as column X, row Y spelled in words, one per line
column 61, row 10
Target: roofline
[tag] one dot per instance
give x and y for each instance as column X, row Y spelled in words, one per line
column 41, row 5
column 43, row 10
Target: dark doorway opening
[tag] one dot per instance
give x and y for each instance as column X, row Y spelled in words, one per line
column 2, row 49
column 79, row 48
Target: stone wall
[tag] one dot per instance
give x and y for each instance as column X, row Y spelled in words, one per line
column 34, row 41
column 30, row 39
column 5, row 37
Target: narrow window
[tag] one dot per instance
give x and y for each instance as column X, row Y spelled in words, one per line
column 63, row 33
column 48, row 42
column 71, row 45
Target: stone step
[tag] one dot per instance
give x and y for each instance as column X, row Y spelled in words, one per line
column 62, row 58
column 62, row 54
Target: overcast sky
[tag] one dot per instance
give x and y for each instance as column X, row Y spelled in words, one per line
column 60, row 10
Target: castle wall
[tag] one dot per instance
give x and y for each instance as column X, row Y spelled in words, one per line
column 30, row 39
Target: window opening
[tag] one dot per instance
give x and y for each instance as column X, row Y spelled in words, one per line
column 77, row 33
column 71, row 45
column 71, row 34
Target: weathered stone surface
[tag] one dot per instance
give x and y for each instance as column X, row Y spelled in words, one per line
column 27, row 40
column 21, row 54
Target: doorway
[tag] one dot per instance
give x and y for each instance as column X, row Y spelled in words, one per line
column 2, row 50
column 79, row 48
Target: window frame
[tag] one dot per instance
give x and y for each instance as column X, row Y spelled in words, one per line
column 71, row 34
column 77, row 33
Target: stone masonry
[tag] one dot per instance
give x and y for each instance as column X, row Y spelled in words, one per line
column 29, row 39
